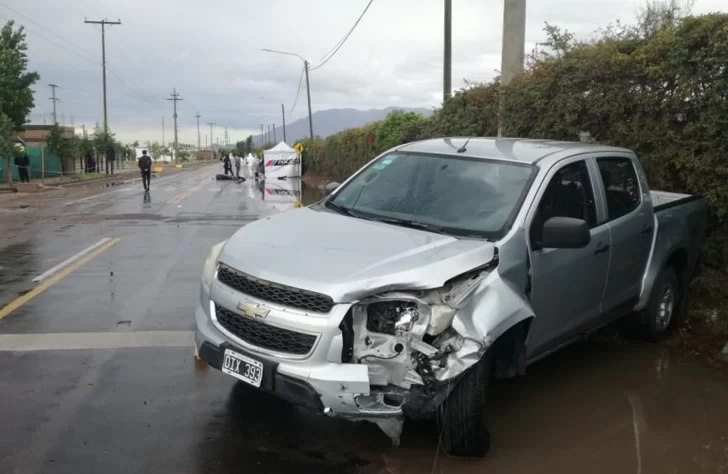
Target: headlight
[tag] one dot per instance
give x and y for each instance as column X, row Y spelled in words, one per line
column 209, row 269
column 399, row 317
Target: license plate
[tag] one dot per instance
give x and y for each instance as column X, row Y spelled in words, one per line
column 242, row 368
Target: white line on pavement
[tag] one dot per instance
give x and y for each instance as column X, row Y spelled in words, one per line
column 95, row 340
column 70, row 260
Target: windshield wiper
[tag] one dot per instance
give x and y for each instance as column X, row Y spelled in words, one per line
column 340, row 209
column 413, row 224
column 345, row 210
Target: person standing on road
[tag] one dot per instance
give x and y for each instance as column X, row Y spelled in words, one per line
column 145, row 165
column 22, row 162
column 226, row 165
column 236, row 160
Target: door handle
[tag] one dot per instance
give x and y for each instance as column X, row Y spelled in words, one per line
column 601, row 248
column 647, row 229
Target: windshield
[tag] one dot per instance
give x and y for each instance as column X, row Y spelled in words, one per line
column 458, row 195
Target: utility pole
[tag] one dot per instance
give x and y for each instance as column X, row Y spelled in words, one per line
column 162, row 131
column 227, row 140
column 198, row 131
column 308, row 85
column 174, row 97
column 103, row 24
column 275, row 139
column 514, row 43
column 447, row 69
column 211, row 124
column 308, row 94
column 283, row 113
column 53, row 98
column 262, row 136
column 267, row 140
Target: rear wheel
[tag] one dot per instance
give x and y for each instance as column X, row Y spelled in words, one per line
column 461, row 419
column 664, row 307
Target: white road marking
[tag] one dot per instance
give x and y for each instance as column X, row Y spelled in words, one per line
column 95, row 340
column 70, row 260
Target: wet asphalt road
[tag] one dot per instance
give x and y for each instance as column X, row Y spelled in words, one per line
column 600, row 406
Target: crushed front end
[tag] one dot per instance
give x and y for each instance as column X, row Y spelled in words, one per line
column 377, row 359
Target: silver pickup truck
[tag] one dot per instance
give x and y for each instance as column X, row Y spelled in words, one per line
column 439, row 265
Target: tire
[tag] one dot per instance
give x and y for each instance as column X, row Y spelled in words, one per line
column 461, row 419
column 663, row 308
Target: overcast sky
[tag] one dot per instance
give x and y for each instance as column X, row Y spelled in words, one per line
column 211, row 52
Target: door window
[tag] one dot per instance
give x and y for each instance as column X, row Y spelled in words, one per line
column 621, row 186
column 569, row 194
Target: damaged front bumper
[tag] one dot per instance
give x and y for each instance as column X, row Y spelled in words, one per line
column 376, row 360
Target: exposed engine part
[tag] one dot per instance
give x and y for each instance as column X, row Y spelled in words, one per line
column 391, row 317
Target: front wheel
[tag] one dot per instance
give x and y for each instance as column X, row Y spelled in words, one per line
column 461, row 419
column 663, row 308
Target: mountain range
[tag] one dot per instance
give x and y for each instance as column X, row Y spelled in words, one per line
column 331, row 121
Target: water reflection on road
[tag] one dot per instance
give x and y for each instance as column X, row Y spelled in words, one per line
column 282, row 194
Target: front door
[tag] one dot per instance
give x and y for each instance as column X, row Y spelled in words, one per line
column 567, row 284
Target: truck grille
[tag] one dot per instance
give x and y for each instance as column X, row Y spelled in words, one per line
column 273, row 292
column 264, row 335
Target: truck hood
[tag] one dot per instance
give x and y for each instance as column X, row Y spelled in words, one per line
column 349, row 258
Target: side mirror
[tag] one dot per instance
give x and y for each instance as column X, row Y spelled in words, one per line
column 330, row 188
column 565, row 233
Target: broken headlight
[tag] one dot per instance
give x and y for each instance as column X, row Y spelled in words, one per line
column 395, row 318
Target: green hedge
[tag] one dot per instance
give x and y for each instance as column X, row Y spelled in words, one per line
column 662, row 92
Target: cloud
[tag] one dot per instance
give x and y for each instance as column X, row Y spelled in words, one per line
column 211, row 53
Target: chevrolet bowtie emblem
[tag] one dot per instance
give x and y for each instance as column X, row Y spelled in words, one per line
column 252, row 310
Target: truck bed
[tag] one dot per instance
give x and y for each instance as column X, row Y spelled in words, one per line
column 662, row 200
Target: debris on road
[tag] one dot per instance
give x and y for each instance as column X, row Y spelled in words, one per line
column 224, row 177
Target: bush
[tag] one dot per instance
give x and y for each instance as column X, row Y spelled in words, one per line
column 394, row 129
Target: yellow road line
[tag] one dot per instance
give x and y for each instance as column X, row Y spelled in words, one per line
column 20, row 301
column 185, row 194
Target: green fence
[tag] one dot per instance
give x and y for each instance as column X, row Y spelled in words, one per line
column 52, row 165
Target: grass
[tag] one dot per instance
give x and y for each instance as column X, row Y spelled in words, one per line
column 87, row 176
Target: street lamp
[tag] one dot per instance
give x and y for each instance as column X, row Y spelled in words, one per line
column 308, row 88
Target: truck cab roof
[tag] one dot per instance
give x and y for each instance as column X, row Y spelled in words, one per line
column 523, row 150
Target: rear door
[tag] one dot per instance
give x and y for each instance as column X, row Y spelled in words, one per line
column 630, row 218
column 567, row 284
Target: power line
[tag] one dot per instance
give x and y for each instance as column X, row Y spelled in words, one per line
column 346, row 37
column 80, row 52
column 298, row 92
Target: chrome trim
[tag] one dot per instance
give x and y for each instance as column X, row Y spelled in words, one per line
column 261, row 350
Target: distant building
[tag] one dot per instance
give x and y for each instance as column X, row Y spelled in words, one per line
column 37, row 135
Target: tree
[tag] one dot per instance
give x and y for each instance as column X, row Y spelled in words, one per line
column 7, row 148
column 102, row 138
column 155, row 150
column 240, row 148
column 249, row 144
column 16, row 96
